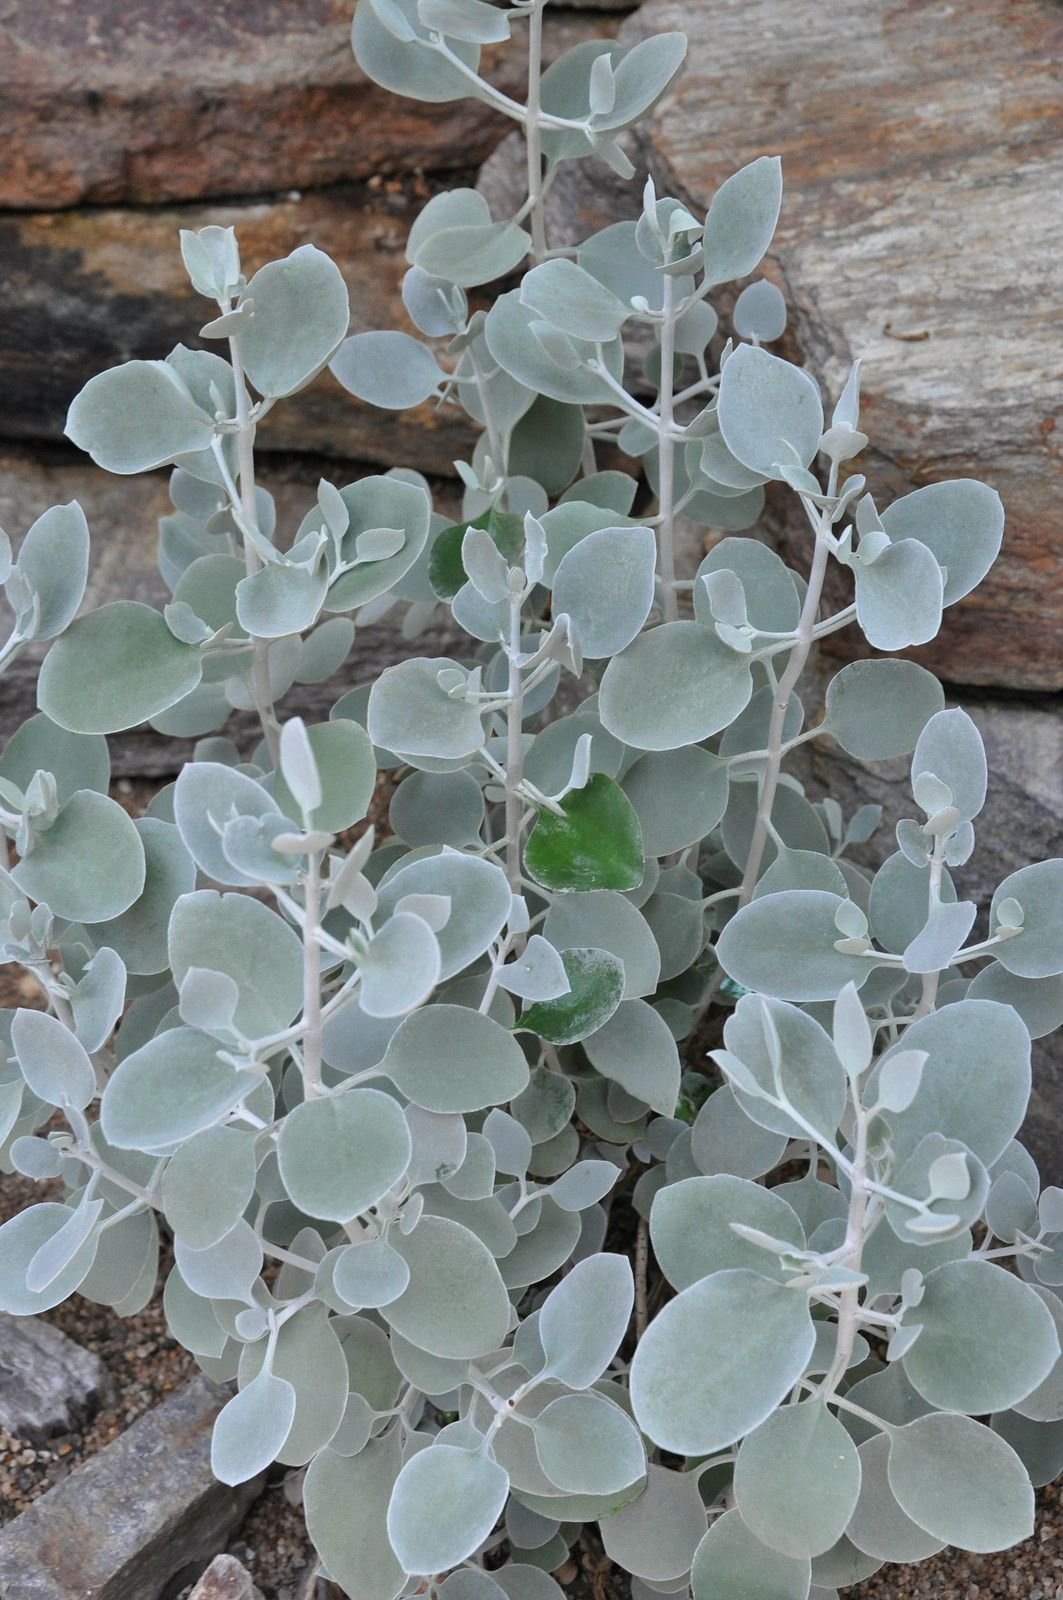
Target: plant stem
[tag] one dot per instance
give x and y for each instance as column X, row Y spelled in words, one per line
column 311, row 1019
column 245, row 457
column 928, row 998
column 514, row 748
column 848, row 1314
column 533, row 132
column 666, row 444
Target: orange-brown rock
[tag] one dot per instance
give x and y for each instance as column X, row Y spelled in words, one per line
column 83, row 290
column 148, row 101
column 922, row 148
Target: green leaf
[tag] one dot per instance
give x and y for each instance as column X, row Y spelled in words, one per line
column 676, row 685
column 741, row 221
column 596, row 987
column 455, row 1304
column 797, row 1480
column 116, row 667
column 448, row 1058
column 89, row 865
column 597, row 844
column 341, row 1154
column 301, row 315
column 878, row 709
column 636, row 1049
column 444, row 1505
column 446, row 568
column 138, row 416
column 473, row 254
column 761, row 1336
column 251, row 1428
column 961, row 1482
column 730, row 1560
column 809, row 1073
column 605, row 920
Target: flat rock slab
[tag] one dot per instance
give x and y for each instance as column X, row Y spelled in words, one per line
column 84, row 290
column 922, row 147
column 48, row 1384
column 134, row 1518
column 158, row 100
column 226, row 1579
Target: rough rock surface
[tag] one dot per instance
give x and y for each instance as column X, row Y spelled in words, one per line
column 133, row 1519
column 84, row 290
column 146, row 101
column 922, row 149
column 226, row 1579
column 48, row 1384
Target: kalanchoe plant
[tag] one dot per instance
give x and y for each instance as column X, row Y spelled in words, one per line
column 405, row 1105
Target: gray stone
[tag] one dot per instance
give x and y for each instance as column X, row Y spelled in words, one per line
column 48, row 1384
column 133, row 1521
column 226, row 1579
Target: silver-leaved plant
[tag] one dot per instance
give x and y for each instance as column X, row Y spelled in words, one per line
column 393, row 1100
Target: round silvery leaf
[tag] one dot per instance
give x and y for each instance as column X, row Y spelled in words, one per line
column 310, row 1357
column 898, row 596
column 455, row 1304
column 587, row 1445
column 169, row 1089
column 976, row 1081
column 400, row 968
column 987, row 1341
column 444, row 1505
column 732, row 1560
column 879, row 1526
column 770, row 412
column 343, row 755
column 583, row 1320
column 741, row 220
column 301, row 314
column 784, row 945
column 346, row 1500
column 369, row 1273
column 20, row 1241
column 679, row 796
column 898, row 901
column 239, row 936
column 877, row 709
column 410, row 712
column 139, row 934
column 115, row 667
column 35, row 1158
column 53, row 560
column 1038, row 1445
column 449, row 1058
column 655, row 1536
column 433, row 808
column 606, row 585
column 692, row 1236
column 388, row 47
column 89, row 865
column 375, row 504
column 760, row 312
column 725, row 1140
column 606, row 920
column 798, row 824
column 797, row 1479
column 963, row 523
column 75, row 760
column 1039, row 1001
column 595, row 987
column 952, row 1185
column 207, row 1185
column 762, row 1336
column 635, row 1049
column 961, row 1482
column 810, row 1074
column 251, row 1428
column 950, row 747
column 559, row 366
column 137, row 416
column 206, row 796
column 390, row 370
column 55, row 1066
column 1036, row 952
column 339, row 1155
column 480, row 902
column 547, row 445
column 675, row 685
